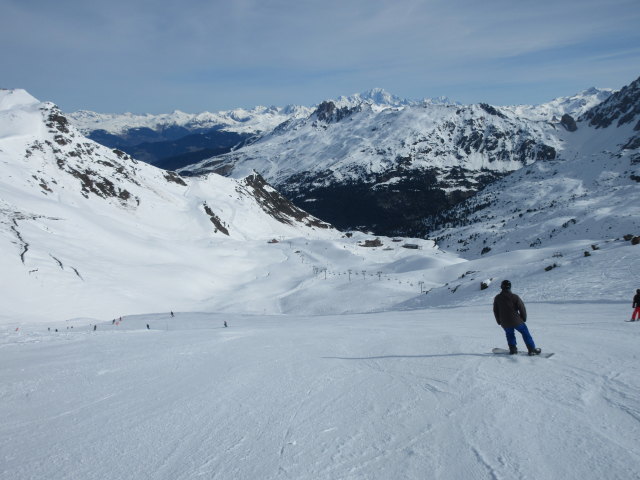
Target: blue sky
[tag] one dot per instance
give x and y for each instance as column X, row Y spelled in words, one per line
column 147, row 56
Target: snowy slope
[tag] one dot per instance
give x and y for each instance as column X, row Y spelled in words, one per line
column 590, row 193
column 86, row 229
column 574, row 105
column 410, row 395
column 335, row 363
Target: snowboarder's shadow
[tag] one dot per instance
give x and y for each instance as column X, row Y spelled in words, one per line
column 387, row 357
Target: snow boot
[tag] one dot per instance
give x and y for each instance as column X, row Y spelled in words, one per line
column 534, row 351
column 513, row 349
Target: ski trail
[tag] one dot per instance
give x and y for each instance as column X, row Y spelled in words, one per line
column 491, row 471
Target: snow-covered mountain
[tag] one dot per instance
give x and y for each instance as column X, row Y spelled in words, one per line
column 255, row 121
column 574, row 105
column 385, row 168
column 591, row 191
column 380, row 169
column 380, row 99
column 239, row 120
column 82, row 225
column 177, row 139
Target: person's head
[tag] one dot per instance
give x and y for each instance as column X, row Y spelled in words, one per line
column 638, row 290
column 505, row 285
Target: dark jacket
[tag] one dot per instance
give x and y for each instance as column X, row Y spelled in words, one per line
column 509, row 309
column 636, row 300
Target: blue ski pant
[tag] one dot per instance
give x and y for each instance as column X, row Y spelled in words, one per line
column 524, row 331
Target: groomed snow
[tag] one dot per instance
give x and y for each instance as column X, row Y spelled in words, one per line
column 392, row 395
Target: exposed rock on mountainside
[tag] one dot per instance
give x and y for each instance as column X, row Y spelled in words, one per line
column 623, row 106
column 329, row 113
column 590, row 192
column 276, row 205
column 568, row 122
column 621, row 109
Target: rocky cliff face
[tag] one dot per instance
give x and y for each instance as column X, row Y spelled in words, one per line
column 619, row 110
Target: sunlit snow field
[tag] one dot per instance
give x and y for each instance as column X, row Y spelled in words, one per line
column 372, row 396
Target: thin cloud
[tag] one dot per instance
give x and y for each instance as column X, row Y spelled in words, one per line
column 134, row 51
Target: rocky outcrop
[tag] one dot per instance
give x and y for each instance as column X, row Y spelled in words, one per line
column 328, row 112
column 621, row 108
column 277, row 206
column 568, row 123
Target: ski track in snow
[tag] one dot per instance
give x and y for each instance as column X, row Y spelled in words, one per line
column 374, row 396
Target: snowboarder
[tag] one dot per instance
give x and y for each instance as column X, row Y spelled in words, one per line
column 511, row 315
column 636, row 306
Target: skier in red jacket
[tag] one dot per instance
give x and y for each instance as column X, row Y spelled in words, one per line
column 636, row 306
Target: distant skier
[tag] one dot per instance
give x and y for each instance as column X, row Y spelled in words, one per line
column 636, row 306
column 95, row 327
column 148, row 327
column 225, row 324
column 171, row 314
column 511, row 315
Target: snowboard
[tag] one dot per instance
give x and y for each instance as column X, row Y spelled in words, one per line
column 503, row 351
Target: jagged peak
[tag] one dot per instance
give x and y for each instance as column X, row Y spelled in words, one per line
column 623, row 105
column 330, row 112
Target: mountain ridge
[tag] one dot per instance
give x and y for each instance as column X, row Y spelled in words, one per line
column 589, row 192
column 74, row 214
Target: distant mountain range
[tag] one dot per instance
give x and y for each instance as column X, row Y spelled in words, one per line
column 375, row 161
column 171, row 141
column 385, row 167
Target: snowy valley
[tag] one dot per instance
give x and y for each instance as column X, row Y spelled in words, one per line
column 346, row 355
